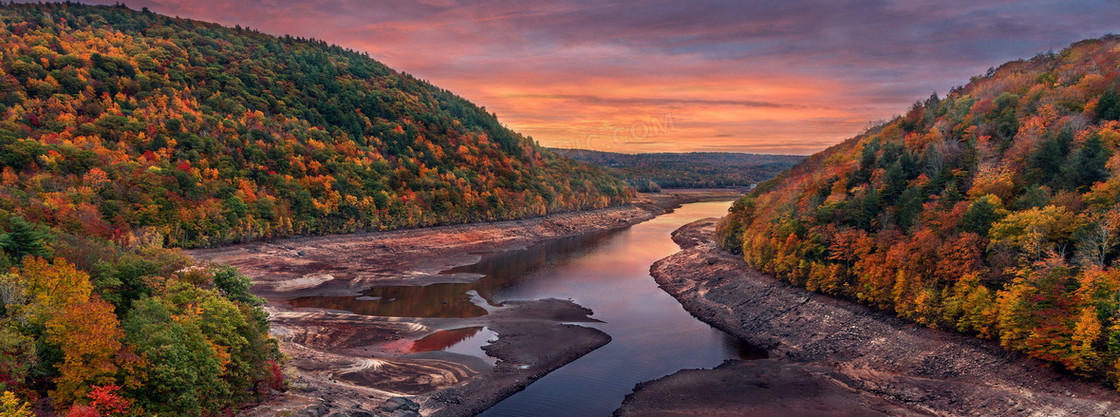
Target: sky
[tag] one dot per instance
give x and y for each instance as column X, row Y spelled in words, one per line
column 786, row 77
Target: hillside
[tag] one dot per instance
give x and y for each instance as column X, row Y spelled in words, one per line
column 118, row 123
column 992, row 211
column 686, row 170
column 125, row 135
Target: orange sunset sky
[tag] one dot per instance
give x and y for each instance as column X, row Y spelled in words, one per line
column 790, row 77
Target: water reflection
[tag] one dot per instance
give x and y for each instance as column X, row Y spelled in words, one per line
column 447, row 300
column 465, row 341
column 443, row 339
column 436, row 300
column 652, row 335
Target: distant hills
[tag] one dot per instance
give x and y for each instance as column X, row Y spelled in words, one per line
column 993, row 211
column 652, row 171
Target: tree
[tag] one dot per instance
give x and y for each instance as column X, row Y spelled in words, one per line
column 108, row 400
column 123, row 280
column 24, row 239
column 1108, row 106
column 53, row 286
column 234, row 285
column 1099, row 239
column 10, row 406
column 1035, row 231
column 90, row 339
column 183, row 378
column 1036, row 152
column 79, row 410
column 849, row 245
column 1038, row 313
column 1085, row 165
column 973, row 307
column 1086, row 333
column 17, row 356
column 981, row 213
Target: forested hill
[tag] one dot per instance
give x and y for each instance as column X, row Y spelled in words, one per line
column 651, row 171
column 993, row 211
column 118, row 123
column 125, row 132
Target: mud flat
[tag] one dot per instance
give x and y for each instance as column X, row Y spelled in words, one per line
column 347, row 364
column 833, row 357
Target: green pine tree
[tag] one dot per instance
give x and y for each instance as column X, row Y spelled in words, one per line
column 24, row 239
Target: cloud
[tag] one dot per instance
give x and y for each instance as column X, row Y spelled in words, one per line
column 600, row 100
column 790, row 77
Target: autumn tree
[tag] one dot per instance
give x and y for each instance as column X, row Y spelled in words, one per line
column 53, row 285
column 89, row 337
column 1099, row 239
column 10, row 406
column 1035, row 231
column 17, row 356
column 990, row 211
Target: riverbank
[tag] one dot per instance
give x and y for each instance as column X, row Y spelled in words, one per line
column 883, row 363
column 347, row 363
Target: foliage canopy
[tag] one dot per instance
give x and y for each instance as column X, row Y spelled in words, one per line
column 994, row 210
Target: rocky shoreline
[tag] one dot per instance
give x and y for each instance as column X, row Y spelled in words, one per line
column 347, row 364
column 845, row 354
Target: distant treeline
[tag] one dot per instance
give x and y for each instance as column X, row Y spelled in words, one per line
column 653, row 171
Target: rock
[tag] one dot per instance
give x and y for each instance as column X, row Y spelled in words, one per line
column 356, row 413
column 399, row 404
column 313, row 411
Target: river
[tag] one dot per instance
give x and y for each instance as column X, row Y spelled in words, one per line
column 652, row 335
column 608, row 272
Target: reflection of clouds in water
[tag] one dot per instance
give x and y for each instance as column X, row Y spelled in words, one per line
column 462, row 300
column 606, row 272
column 436, row 300
column 530, row 273
column 652, row 335
column 465, row 341
column 442, row 339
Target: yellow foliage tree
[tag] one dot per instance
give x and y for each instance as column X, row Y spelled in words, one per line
column 1036, row 230
column 1085, row 334
column 10, row 406
column 89, row 336
column 53, row 285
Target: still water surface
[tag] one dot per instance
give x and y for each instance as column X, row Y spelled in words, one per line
column 652, row 335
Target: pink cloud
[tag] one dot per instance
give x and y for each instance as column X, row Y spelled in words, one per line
column 759, row 76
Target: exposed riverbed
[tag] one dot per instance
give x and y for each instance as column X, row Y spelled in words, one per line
column 460, row 317
column 607, row 272
column 831, row 357
column 652, row 335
